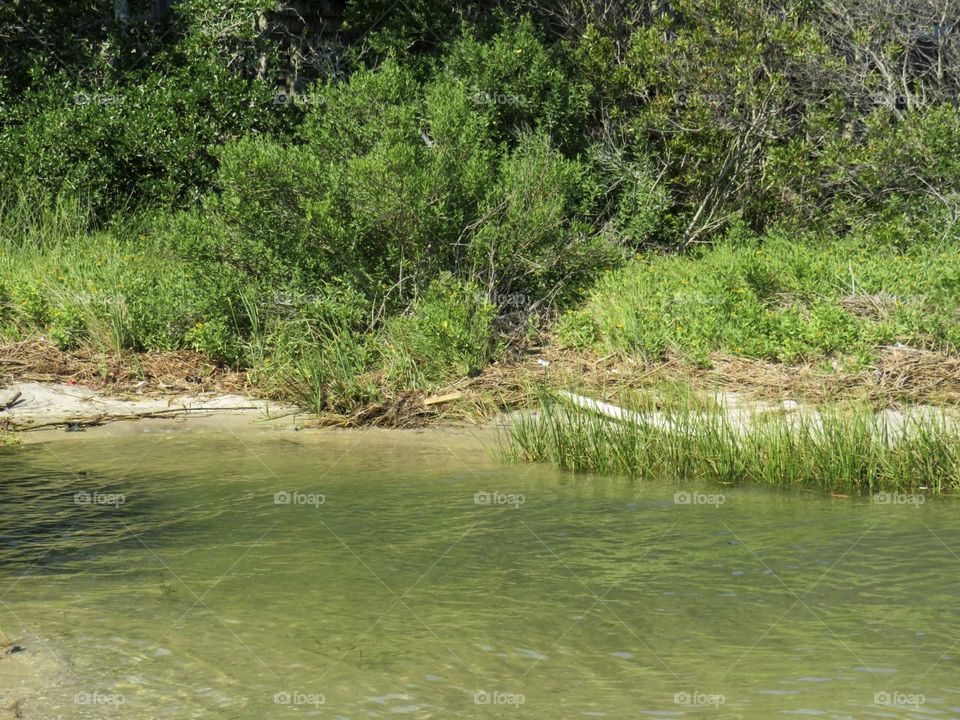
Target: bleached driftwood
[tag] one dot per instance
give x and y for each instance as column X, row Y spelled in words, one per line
column 619, row 414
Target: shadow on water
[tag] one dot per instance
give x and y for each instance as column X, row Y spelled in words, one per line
column 55, row 519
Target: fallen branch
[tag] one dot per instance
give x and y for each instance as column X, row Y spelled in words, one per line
column 108, row 417
column 439, row 399
column 619, row 414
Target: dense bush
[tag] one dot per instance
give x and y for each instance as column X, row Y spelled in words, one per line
column 394, row 182
column 522, row 84
column 536, row 236
column 150, row 141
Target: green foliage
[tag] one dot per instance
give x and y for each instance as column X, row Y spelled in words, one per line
column 784, row 299
column 445, row 335
column 522, row 84
column 637, row 201
column 315, row 349
column 393, row 183
column 259, row 222
column 839, row 448
column 109, row 290
column 148, row 141
column 536, row 238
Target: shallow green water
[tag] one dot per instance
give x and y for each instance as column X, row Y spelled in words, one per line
column 201, row 597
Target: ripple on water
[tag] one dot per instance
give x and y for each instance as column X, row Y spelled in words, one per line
column 525, row 652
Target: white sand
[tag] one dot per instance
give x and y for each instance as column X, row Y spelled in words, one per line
column 49, row 403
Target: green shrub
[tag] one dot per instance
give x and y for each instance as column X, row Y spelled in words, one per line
column 145, row 141
column 536, row 238
column 445, row 335
column 393, row 184
column 521, row 84
column 637, row 203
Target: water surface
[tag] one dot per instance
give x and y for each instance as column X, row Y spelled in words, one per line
column 375, row 575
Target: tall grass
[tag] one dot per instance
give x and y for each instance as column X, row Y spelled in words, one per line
column 837, row 448
column 321, row 364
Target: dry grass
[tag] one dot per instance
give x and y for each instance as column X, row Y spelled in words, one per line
column 150, row 373
column 878, row 306
column 902, row 375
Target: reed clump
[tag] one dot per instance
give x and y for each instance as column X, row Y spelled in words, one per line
column 837, row 448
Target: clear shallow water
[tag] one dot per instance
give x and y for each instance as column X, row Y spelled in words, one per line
column 201, row 597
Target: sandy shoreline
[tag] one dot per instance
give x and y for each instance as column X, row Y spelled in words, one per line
column 43, row 408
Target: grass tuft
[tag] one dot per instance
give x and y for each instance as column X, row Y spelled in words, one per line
column 835, row 448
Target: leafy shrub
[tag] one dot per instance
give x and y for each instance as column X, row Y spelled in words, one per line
column 637, row 202
column 521, row 84
column 445, row 334
column 147, row 141
column 394, row 183
column 536, row 238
